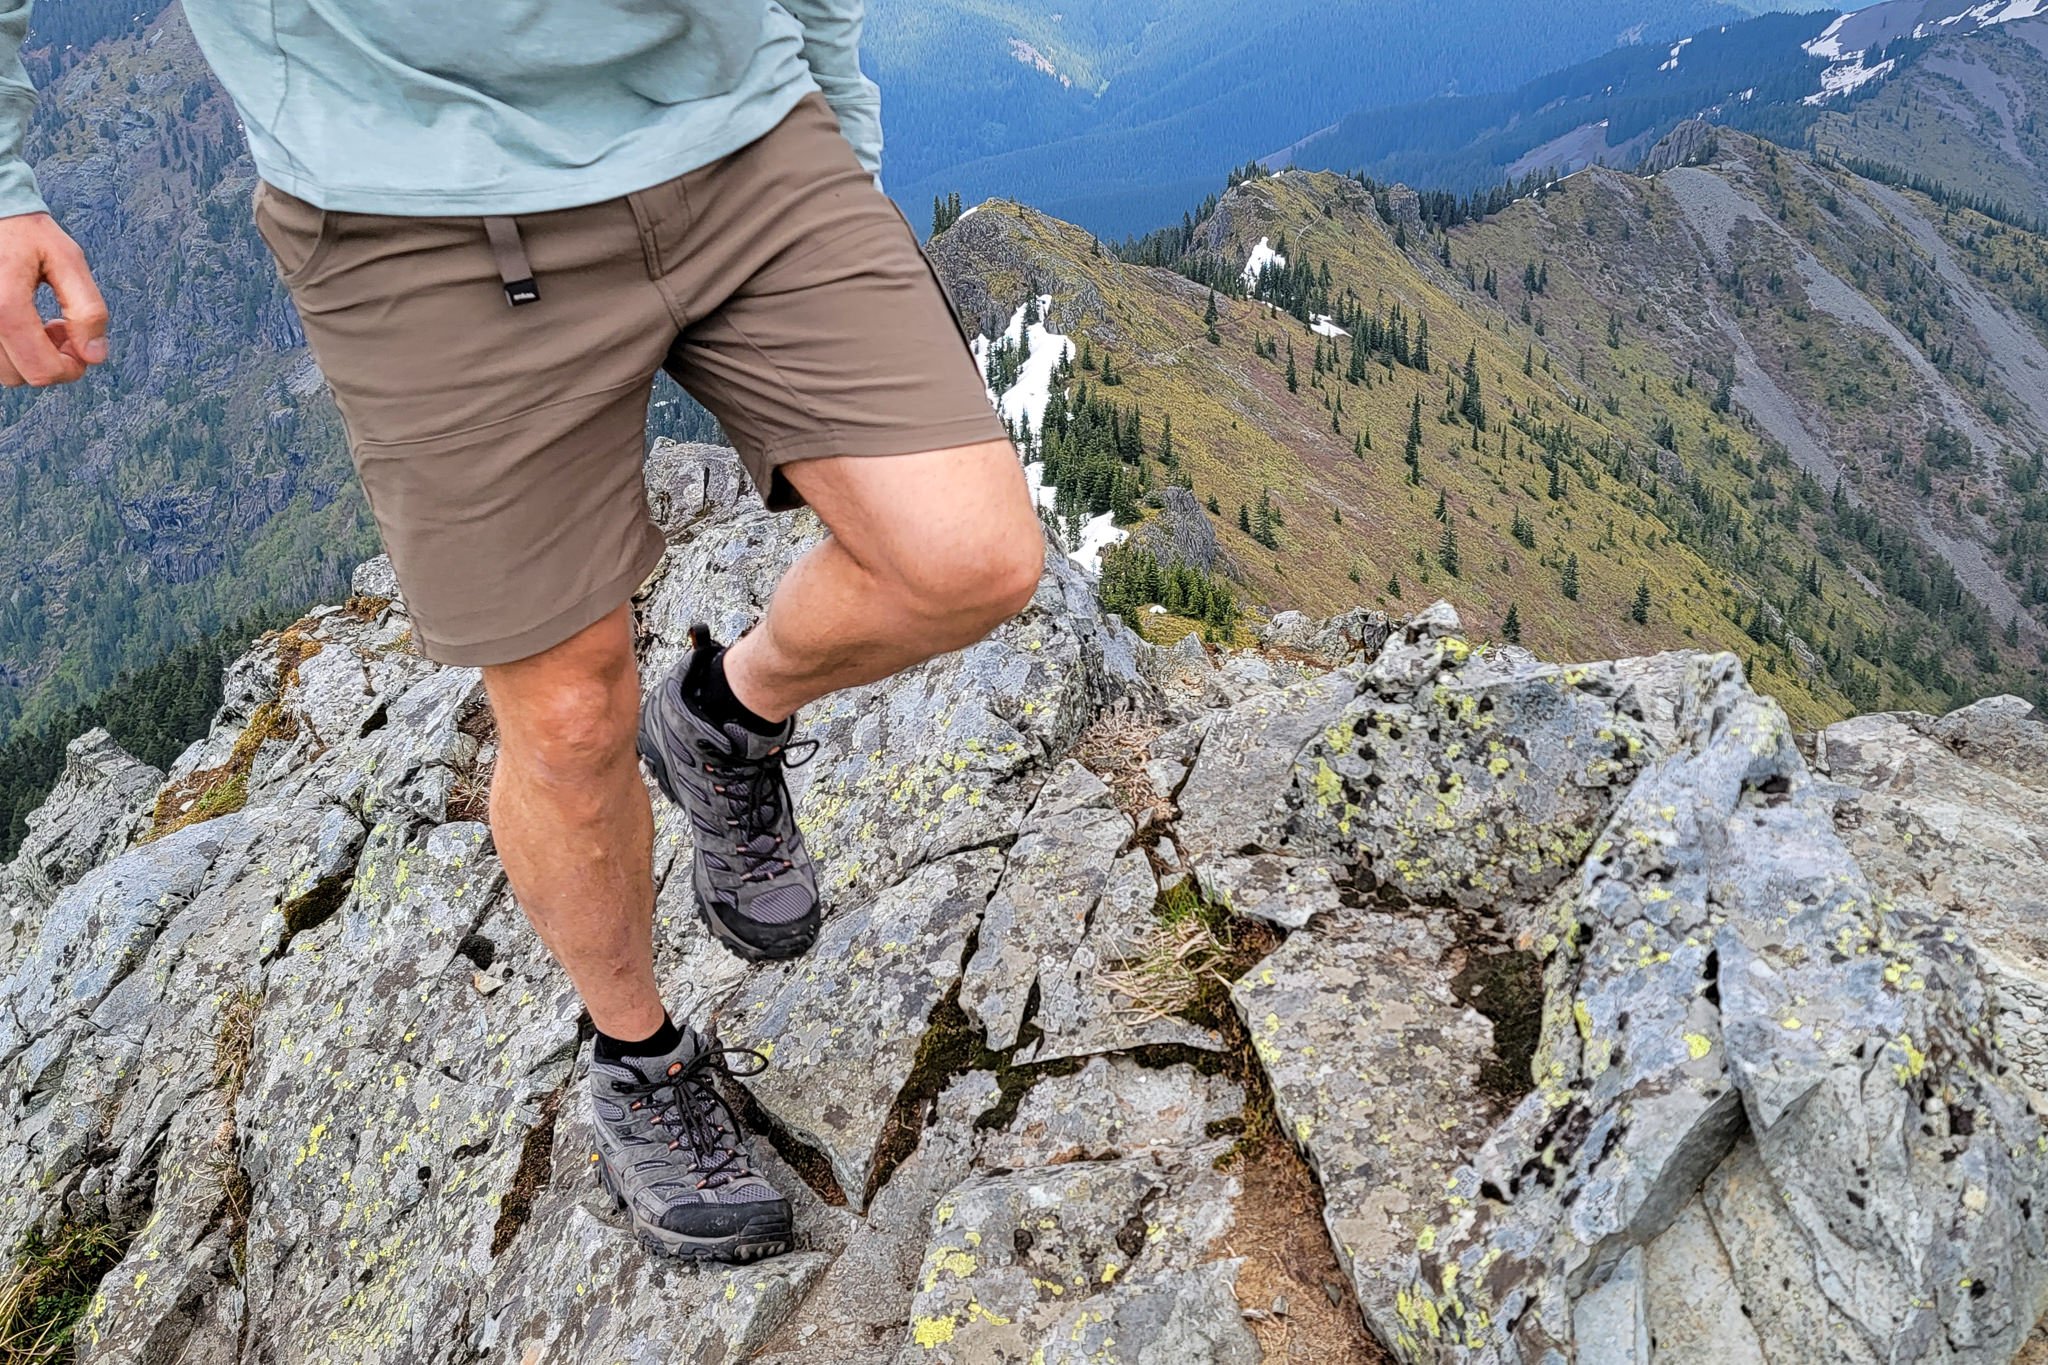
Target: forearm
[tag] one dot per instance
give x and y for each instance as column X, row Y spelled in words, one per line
column 18, row 193
column 832, row 30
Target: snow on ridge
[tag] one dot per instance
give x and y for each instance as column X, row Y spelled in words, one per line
column 1849, row 72
column 1676, row 48
column 1828, row 47
column 1023, row 405
column 1262, row 256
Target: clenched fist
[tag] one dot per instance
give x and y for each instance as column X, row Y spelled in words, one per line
column 33, row 251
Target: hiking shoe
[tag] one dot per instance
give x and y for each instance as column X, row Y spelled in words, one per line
column 756, row 887
column 670, row 1153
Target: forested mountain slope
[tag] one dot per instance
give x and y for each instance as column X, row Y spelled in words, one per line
column 200, row 474
column 1746, row 404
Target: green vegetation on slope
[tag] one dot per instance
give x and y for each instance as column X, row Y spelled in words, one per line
column 1587, row 474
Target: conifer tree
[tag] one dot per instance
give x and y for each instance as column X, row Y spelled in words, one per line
column 1447, row 549
column 1473, row 406
column 1639, row 610
column 1394, row 586
column 1293, row 383
column 1413, row 456
column 1570, row 579
column 1511, row 628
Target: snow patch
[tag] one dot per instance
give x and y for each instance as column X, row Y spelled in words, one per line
column 1849, row 69
column 1676, row 48
column 1262, row 256
column 1023, row 406
column 1840, row 80
column 1326, row 326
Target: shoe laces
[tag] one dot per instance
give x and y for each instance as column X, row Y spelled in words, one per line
column 758, row 795
column 687, row 1105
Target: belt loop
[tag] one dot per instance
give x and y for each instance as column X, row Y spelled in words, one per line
column 513, row 267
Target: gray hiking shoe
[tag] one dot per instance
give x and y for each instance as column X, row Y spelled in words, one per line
column 756, row 887
column 670, row 1153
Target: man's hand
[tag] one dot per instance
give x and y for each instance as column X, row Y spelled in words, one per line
column 33, row 251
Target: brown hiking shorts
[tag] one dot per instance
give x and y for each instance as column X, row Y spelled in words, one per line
column 501, row 446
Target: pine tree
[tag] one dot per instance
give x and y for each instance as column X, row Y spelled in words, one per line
column 1556, row 481
column 1639, row 610
column 1524, row 531
column 1473, row 406
column 1511, row 628
column 1394, row 586
column 1529, row 360
column 1570, row 579
column 1447, row 550
column 1443, row 508
column 1167, row 455
column 1293, row 383
column 1244, row 519
column 1413, row 456
column 1209, row 318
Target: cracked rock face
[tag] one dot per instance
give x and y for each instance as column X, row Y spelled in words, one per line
column 1602, row 1019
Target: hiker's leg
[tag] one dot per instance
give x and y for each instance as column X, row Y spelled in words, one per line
column 571, row 819
column 928, row 553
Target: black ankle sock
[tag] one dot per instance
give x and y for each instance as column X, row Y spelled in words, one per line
column 666, row 1039
column 722, row 706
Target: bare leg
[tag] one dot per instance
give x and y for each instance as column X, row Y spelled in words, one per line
column 928, row 553
column 571, row 818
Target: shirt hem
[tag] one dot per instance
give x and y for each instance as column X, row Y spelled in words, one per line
column 550, row 191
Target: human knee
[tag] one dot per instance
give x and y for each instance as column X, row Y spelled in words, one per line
column 971, row 587
column 569, row 724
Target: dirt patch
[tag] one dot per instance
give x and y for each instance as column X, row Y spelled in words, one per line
column 1296, row 1298
column 536, row 1167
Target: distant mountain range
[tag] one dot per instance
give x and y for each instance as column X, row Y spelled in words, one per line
column 1939, row 90
column 1117, row 113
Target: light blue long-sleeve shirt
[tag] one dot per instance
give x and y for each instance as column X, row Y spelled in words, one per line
column 457, row 107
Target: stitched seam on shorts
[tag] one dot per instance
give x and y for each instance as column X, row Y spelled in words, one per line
column 495, row 422
column 650, row 251
column 825, row 443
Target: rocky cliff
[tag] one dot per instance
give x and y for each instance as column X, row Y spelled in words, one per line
column 1611, row 1024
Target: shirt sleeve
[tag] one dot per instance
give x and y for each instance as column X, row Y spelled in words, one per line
column 18, row 193
column 832, row 50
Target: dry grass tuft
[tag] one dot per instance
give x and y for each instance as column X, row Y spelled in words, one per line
column 50, row 1288
column 1114, row 747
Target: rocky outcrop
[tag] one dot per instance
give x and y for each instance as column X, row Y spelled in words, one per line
column 1602, row 1018
column 1182, row 532
column 99, row 803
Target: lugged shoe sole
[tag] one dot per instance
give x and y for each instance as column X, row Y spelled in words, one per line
column 763, row 1236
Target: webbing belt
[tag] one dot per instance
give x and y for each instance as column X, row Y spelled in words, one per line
column 513, row 267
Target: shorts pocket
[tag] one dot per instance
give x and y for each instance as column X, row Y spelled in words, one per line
column 298, row 234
